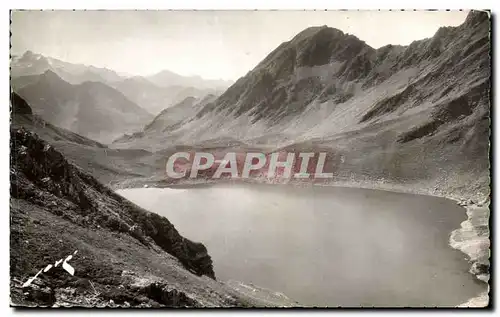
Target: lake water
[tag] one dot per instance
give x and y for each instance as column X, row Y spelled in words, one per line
column 325, row 246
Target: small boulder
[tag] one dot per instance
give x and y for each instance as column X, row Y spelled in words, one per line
column 42, row 295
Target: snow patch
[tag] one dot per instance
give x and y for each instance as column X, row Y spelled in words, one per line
column 472, row 238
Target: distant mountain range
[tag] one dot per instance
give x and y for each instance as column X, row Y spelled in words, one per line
column 167, row 78
column 35, row 64
column 97, row 102
column 156, row 98
column 91, row 109
column 153, row 93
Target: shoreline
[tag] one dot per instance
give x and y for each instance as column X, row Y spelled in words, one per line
column 472, row 238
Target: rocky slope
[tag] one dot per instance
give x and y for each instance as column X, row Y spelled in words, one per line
column 91, row 109
column 413, row 116
column 109, row 166
column 122, row 254
column 156, row 134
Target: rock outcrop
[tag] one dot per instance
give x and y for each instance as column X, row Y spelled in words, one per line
column 42, row 176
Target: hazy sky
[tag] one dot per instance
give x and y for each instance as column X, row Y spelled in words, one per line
column 212, row 44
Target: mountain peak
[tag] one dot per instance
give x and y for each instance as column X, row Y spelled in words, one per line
column 310, row 32
column 321, row 45
column 28, row 53
column 30, row 56
column 476, row 16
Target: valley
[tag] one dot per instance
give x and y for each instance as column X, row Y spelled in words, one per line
column 406, row 130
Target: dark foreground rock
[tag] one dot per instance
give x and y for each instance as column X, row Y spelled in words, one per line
column 41, row 175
